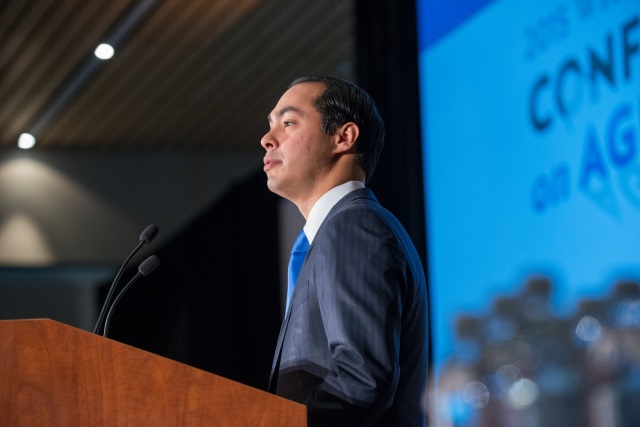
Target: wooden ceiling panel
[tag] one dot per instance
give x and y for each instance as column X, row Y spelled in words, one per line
column 197, row 74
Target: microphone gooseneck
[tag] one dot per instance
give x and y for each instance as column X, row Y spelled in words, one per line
column 146, row 237
column 144, row 269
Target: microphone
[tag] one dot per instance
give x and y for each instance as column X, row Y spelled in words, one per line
column 144, row 269
column 146, row 237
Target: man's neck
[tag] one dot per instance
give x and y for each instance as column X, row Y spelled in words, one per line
column 338, row 176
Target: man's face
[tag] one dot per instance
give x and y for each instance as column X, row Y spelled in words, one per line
column 298, row 154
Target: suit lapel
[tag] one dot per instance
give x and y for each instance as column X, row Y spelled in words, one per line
column 276, row 358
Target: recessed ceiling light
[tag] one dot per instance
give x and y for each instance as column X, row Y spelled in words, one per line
column 104, row 51
column 26, row 141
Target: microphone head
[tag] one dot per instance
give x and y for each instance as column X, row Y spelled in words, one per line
column 149, row 234
column 148, row 265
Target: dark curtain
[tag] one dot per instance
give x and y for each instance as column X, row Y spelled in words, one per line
column 387, row 67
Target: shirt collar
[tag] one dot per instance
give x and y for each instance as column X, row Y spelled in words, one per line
column 321, row 208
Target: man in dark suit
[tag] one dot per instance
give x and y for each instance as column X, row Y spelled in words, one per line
column 354, row 342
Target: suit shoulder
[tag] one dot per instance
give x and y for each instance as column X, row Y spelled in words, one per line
column 364, row 211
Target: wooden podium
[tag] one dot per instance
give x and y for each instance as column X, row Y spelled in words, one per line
column 52, row 374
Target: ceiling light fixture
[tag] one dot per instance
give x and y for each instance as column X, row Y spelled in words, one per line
column 26, row 141
column 104, row 51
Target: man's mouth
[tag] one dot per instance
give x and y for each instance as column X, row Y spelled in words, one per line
column 269, row 162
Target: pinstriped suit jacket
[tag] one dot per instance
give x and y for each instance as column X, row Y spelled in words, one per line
column 353, row 345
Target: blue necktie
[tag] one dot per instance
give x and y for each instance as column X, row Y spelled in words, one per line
column 298, row 253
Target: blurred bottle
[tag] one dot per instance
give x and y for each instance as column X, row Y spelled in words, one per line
column 625, row 314
column 556, row 376
column 460, row 395
column 505, row 356
column 595, row 336
column 515, row 330
column 610, row 328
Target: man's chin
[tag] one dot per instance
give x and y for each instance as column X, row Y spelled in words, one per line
column 272, row 185
column 278, row 187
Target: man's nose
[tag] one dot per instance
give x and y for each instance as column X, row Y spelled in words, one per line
column 268, row 141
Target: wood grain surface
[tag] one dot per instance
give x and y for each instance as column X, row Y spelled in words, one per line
column 52, row 374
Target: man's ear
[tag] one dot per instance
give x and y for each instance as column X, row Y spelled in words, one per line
column 347, row 136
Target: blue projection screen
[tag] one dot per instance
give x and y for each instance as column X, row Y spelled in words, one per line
column 530, row 117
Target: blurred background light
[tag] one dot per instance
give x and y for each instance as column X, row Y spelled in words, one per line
column 507, row 376
column 588, row 329
column 476, row 394
column 523, row 393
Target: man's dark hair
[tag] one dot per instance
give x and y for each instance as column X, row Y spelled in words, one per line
column 342, row 102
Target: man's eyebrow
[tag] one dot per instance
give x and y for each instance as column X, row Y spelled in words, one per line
column 281, row 112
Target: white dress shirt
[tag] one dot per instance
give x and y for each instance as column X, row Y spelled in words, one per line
column 321, row 208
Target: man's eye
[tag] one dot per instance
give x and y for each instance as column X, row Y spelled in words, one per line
column 287, row 124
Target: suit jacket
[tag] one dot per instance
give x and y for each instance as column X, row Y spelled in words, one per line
column 353, row 346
